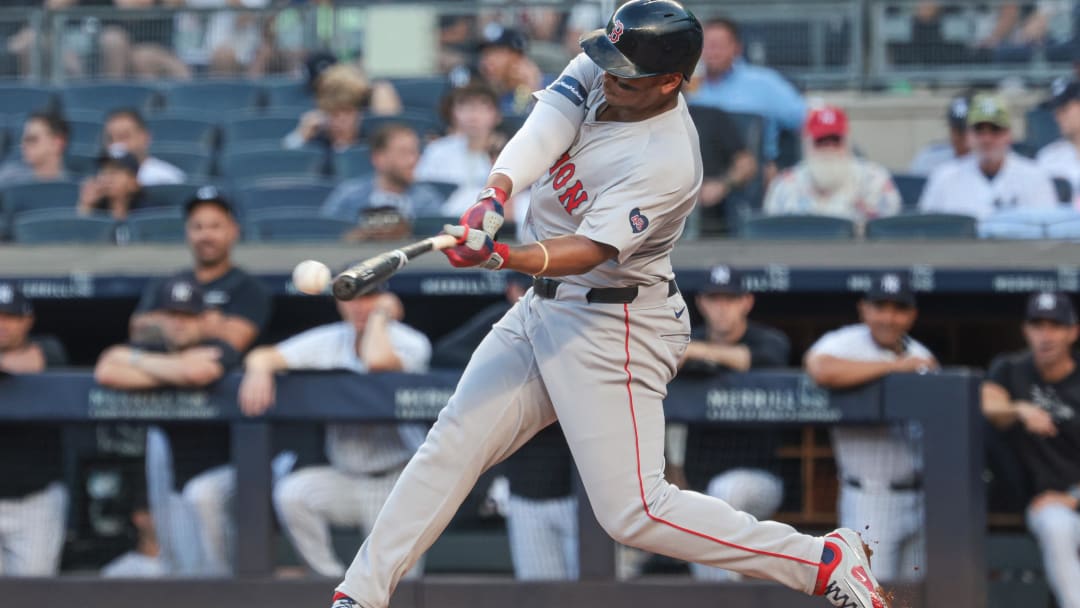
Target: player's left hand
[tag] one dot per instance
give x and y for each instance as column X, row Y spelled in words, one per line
column 475, row 248
column 487, row 212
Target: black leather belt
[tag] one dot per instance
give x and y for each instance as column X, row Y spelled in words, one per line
column 546, row 288
column 898, row 486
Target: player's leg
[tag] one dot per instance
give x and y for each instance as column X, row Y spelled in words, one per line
column 374, row 491
column 565, row 510
column 32, row 546
column 754, row 491
column 500, row 402
column 535, row 544
column 607, row 368
column 210, row 494
column 308, row 502
column 1057, row 529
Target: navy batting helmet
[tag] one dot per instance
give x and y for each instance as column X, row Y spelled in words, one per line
column 647, row 38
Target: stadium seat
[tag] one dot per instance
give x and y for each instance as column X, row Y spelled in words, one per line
column 23, row 99
column 170, row 195
column 174, row 130
column 40, row 195
column 511, row 123
column 294, row 224
column 1069, row 230
column 81, row 159
column 423, row 93
column 1022, row 223
column 353, row 162
column 425, row 125
column 258, row 198
column 288, row 94
column 213, row 97
column 910, row 188
column 101, row 98
column 425, row 226
column 1040, row 128
column 798, row 227
column 263, row 131
column 85, row 132
column 989, row 229
column 61, row 226
column 445, row 189
column 254, row 164
column 156, row 226
column 191, row 160
column 922, row 226
column 1064, row 190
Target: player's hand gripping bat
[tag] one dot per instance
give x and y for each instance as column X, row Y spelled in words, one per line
column 365, row 276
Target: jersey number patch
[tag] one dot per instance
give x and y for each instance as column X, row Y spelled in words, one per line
column 571, row 196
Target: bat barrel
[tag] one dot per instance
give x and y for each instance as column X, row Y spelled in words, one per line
column 346, row 287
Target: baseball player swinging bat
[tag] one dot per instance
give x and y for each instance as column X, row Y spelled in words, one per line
column 364, row 276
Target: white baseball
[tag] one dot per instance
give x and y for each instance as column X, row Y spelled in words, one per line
column 311, row 277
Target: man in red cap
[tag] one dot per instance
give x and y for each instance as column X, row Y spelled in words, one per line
column 831, row 180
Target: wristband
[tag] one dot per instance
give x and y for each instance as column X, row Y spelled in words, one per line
column 492, row 192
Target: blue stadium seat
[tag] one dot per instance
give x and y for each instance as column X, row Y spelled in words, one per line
column 445, row 189
column 100, row 98
column 1069, row 230
column 255, row 199
column 23, row 99
column 425, row 125
column 1040, row 128
column 258, row 130
column 922, row 226
column 182, row 130
column 61, row 226
column 511, row 123
column 1064, row 190
column 156, row 226
column 910, row 188
column 1024, row 223
column 194, row 162
column 423, row 93
column 294, row 224
column 41, row 195
column 353, row 162
column 254, row 164
column 170, row 195
column 81, row 159
column 798, row 227
column 213, row 97
column 428, row 225
column 288, row 94
column 85, row 132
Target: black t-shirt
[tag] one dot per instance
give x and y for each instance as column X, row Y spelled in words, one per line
column 719, row 138
column 541, row 469
column 236, row 293
column 31, row 455
column 713, row 449
column 1053, row 463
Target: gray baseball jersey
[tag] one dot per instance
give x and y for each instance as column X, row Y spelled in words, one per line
column 601, row 369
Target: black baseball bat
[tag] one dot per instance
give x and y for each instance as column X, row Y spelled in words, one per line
column 365, row 276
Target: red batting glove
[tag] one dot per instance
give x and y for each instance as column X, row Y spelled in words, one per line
column 475, row 248
column 487, row 213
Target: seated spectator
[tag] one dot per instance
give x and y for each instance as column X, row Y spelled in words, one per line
column 33, row 498
column 1033, row 396
column 732, row 84
column 180, row 352
column 738, row 465
column 126, row 127
column 115, row 189
column 140, row 46
column 365, row 459
column 831, row 180
column 239, row 304
column 502, row 62
column 1017, row 32
column 880, row 467
column 1060, row 158
column 238, row 43
column 726, row 161
column 994, row 178
column 343, row 94
column 44, row 140
column 958, row 146
column 464, row 156
column 384, row 204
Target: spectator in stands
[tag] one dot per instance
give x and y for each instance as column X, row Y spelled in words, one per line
column 1060, row 158
column 1034, row 397
column 44, row 140
column 238, row 43
column 727, row 162
column 1017, row 32
column 732, row 84
column 502, row 62
column 995, row 178
column 239, row 304
column 33, row 499
column 880, row 467
column 464, row 156
column 180, row 351
column 343, row 94
column 365, row 459
column 140, row 47
column 384, row 204
column 736, row 464
column 939, row 153
column 125, row 127
column 115, row 189
column 831, row 180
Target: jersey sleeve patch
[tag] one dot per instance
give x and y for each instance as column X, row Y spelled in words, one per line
column 638, row 221
column 570, row 88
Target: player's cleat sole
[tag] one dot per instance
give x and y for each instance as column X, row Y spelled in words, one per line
column 845, row 578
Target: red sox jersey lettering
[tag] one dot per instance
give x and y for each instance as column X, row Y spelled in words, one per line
column 574, row 195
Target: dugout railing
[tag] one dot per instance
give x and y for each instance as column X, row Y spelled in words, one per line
column 945, row 404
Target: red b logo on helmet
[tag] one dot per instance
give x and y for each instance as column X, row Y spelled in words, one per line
column 616, row 32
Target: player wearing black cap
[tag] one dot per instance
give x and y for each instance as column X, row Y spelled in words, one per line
column 1034, row 397
column 934, row 154
column 1061, row 158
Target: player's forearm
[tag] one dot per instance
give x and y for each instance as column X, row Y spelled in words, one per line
column 734, row 357
column 742, row 169
column 115, row 370
column 998, row 407
column 265, row 359
column 376, row 349
column 566, row 255
column 834, row 372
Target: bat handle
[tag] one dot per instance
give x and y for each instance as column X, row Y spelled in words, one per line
column 443, row 241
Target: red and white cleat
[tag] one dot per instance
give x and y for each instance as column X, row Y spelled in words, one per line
column 844, row 577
